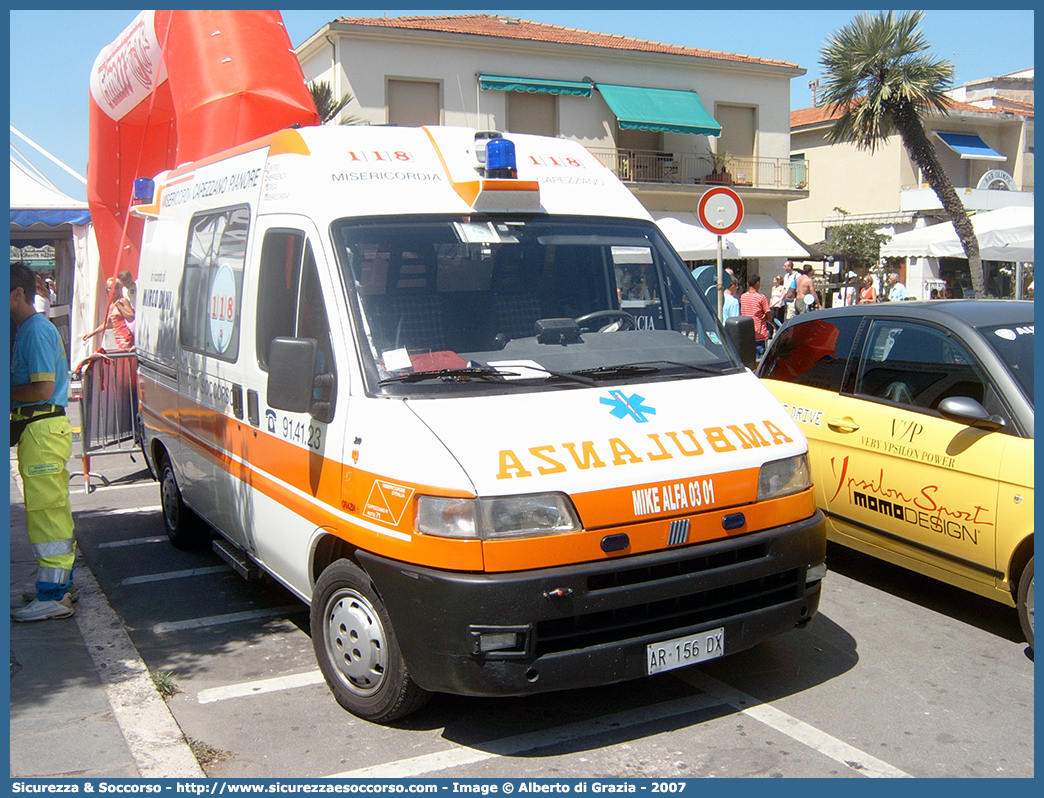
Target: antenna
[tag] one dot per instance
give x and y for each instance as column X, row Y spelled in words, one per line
column 813, row 85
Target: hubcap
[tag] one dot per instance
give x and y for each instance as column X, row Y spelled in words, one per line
column 355, row 642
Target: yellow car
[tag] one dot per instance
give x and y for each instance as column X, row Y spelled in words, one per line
column 919, row 419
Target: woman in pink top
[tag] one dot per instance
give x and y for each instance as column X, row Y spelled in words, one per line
column 119, row 314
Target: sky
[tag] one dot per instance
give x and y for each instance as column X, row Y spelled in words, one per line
column 52, row 53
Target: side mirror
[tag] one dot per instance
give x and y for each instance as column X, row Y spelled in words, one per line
column 291, row 367
column 739, row 332
column 965, row 410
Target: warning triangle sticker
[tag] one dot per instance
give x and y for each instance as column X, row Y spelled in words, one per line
column 387, row 502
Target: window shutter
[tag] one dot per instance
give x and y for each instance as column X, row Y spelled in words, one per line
column 412, row 103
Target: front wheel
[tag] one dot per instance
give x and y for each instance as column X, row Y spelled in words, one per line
column 185, row 529
column 356, row 647
column 1025, row 601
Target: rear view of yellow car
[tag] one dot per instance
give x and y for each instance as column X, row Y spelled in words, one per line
column 919, row 419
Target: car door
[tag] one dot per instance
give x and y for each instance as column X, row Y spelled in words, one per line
column 805, row 369
column 297, row 455
column 897, row 475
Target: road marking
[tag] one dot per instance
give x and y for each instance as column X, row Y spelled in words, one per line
column 861, row 762
column 260, row 686
column 512, row 746
column 154, row 738
column 115, row 544
column 162, row 577
column 130, row 510
column 218, row 620
column 106, row 488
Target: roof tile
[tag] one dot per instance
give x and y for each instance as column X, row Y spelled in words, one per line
column 514, row 28
column 825, row 113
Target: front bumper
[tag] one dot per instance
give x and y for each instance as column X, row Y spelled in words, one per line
column 589, row 624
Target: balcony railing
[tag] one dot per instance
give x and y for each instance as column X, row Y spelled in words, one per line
column 646, row 166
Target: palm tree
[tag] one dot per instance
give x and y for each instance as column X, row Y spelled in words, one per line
column 879, row 76
column 328, row 107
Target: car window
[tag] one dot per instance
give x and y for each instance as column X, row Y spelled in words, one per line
column 814, row 353
column 916, row 365
column 1013, row 343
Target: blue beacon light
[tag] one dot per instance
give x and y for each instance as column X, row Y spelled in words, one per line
column 144, row 190
column 500, row 159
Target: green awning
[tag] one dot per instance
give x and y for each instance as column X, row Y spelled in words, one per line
column 538, row 85
column 662, row 110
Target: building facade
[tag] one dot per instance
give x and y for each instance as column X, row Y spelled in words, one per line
column 985, row 145
column 670, row 121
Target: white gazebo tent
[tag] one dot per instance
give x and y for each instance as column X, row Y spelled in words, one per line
column 758, row 236
column 689, row 238
column 1005, row 234
column 42, row 215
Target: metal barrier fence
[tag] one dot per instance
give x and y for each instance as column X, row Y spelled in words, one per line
column 108, row 409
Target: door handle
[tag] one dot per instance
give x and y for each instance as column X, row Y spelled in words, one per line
column 845, row 424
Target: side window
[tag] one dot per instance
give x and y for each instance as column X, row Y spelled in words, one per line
column 814, row 353
column 214, row 282
column 916, row 365
column 290, row 304
column 278, row 289
column 312, row 322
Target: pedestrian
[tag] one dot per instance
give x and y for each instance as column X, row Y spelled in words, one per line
column 896, row 290
column 850, row 289
column 730, row 303
column 119, row 315
column 789, row 289
column 779, row 310
column 868, row 296
column 805, row 288
column 754, row 304
column 42, row 299
column 130, row 296
column 40, row 429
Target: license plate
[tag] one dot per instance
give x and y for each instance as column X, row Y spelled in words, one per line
column 683, row 651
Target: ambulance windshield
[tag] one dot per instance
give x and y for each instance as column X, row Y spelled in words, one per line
column 515, row 303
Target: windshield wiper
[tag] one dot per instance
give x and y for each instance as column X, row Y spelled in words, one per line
column 462, row 375
column 572, row 376
column 628, row 370
column 641, row 369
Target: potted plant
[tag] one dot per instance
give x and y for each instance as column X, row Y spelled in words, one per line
column 719, row 173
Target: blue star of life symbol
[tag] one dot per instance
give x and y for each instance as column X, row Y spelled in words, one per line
column 633, row 406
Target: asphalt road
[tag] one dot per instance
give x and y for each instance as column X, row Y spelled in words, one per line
column 898, row 675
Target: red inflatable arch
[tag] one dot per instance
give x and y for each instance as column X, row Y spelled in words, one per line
column 174, row 87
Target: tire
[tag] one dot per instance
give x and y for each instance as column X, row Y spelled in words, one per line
column 140, row 439
column 185, row 529
column 1025, row 601
column 356, row 647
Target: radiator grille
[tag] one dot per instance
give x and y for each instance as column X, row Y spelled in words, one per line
column 668, row 570
column 664, row 616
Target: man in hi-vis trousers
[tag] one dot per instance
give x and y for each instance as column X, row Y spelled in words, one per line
column 41, row 430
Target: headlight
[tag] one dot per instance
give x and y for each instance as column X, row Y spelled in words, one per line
column 502, row 517
column 784, row 477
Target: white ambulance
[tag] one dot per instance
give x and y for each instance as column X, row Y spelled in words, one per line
column 455, row 390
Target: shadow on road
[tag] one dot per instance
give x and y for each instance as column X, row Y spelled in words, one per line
column 788, row 664
column 960, row 605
